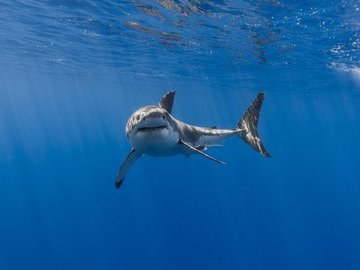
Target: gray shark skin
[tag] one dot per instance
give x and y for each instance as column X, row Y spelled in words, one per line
column 154, row 131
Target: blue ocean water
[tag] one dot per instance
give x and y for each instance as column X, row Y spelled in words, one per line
column 71, row 74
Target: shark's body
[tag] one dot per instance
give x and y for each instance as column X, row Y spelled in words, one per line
column 152, row 130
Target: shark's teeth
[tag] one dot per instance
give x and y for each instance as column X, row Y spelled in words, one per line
column 149, row 129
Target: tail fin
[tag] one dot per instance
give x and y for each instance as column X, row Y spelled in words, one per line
column 248, row 126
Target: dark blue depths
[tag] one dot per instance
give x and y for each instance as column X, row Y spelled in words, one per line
column 66, row 91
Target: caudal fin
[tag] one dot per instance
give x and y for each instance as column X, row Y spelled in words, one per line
column 248, row 126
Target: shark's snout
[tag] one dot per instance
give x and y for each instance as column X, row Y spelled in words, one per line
column 152, row 123
column 154, row 114
column 149, row 118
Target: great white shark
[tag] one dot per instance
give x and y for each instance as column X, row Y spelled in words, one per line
column 152, row 130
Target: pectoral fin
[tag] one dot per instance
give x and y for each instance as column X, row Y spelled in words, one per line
column 194, row 149
column 125, row 166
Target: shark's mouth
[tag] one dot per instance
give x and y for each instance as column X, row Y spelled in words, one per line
column 150, row 129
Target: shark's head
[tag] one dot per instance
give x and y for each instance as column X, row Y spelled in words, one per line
column 149, row 119
column 152, row 130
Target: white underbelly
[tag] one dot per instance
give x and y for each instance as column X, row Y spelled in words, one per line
column 163, row 142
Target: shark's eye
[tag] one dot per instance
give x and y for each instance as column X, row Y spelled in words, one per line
column 163, row 117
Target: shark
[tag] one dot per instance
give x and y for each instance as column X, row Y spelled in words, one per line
column 153, row 130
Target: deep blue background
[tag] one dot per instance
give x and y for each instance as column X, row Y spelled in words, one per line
column 71, row 74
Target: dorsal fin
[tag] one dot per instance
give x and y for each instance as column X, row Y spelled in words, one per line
column 167, row 101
